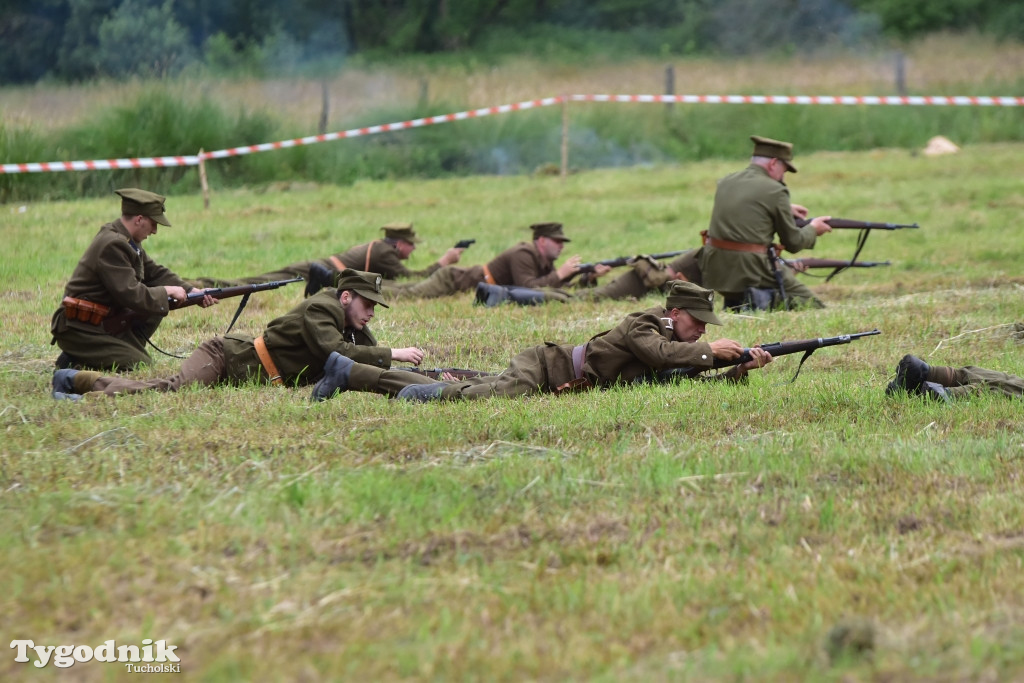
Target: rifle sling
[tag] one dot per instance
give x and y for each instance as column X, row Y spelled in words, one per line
column 238, row 311
column 266, row 361
column 862, row 239
column 488, row 278
column 806, row 355
column 369, row 252
column 337, row 263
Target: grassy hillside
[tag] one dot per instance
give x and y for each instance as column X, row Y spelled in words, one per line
column 694, row 531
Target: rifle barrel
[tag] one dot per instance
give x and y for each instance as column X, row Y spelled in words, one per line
column 850, row 224
column 784, row 348
column 623, row 260
column 238, row 290
column 811, row 262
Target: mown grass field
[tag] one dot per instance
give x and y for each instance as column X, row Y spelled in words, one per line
column 647, row 533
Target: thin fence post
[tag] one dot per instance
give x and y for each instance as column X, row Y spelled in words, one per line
column 424, row 92
column 670, row 85
column 325, row 107
column 565, row 136
column 901, row 75
column 202, row 180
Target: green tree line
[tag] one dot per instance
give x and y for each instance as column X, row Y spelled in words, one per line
column 73, row 40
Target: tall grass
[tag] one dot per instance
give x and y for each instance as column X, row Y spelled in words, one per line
column 601, row 135
column 180, row 117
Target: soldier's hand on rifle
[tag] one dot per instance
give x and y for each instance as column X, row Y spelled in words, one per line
column 726, row 349
column 408, row 355
column 759, row 359
column 448, row 377
column 176, row 293
column 821, row 225
column 601, row 269
column 799, row 211
column 569, row 268
column 207, row 300
column 451, row 256
column 797, row 265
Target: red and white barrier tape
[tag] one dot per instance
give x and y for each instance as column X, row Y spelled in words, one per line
column 914, row 100
column 387, row 127
column 100, row 164
column 162, row 162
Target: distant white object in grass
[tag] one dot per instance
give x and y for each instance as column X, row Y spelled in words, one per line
column 940, row 145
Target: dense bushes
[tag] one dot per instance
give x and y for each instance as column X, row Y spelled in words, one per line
column 84, row 39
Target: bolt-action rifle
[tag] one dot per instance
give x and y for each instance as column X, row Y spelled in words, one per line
column 833, row 263
column 865, row 228
column 781, row 348
column 850, row 224
column 435, row 373
column 127, row 318
column 623, row 260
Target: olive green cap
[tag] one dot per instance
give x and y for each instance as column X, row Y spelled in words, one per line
column 776, row 149
column 366, row 285
column 136, row 202
column 550, row 230
column 694, row 299
column 400, row 231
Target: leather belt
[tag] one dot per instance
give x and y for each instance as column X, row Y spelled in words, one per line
column 338, row 264
column 267, row 361
column 729, row 245
column 488, row 278
column 579, row 383
column 579, row 356
column 84, row 311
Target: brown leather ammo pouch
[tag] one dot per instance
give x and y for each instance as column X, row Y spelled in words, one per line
column 84, row 311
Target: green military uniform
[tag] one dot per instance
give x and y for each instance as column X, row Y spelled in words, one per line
column 635, row 350
column 117, row 273
column 379, row 256
column 972, row 380
column 298, row 344
column 751, row 208
column 646, row 276
column 521, row 266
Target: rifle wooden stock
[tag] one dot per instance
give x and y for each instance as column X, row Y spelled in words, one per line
column 850, row 224
column 435, row 373
column 126, row 318
column 835, row 263
column 623, row 260
column 776, row 349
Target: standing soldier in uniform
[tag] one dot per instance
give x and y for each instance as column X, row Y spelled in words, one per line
column 291, row 351
column 751, row 207
column 640, row 347
column 526, row 265
column 382, row 256
column 113, row 274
